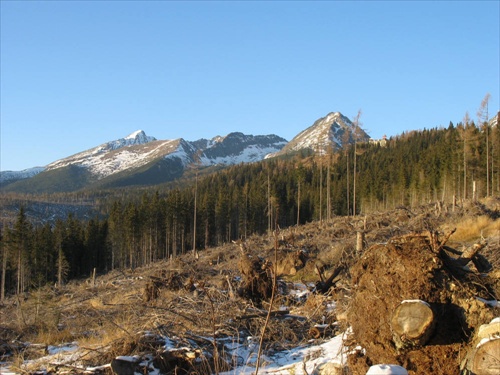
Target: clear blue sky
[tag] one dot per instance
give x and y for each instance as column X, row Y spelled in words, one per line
column 75, row 74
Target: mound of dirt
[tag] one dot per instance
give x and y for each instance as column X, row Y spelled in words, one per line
column 411, row 267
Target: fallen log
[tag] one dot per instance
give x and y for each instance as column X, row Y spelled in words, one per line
column 274, row 314
column 412, row 324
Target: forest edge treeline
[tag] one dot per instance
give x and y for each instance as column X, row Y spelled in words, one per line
column 139, row 227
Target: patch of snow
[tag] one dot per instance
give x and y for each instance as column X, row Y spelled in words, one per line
column 387, row 370
column 415, row 301
column 492, row 303
column 96, row 369
column 301, row 360
column 299, row 291
column 127, row 358
column 51, row 350
column 169, row 344
column 487, row 339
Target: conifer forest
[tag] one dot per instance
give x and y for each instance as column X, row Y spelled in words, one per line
column 139, row 226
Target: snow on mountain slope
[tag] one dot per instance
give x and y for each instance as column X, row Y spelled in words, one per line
column 250, row 154
column 6, row 176
column 138, row 149
column 114, row 156
column 238, row 148
column 136, row 138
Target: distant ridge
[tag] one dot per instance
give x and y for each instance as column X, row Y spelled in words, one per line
column 139, row 159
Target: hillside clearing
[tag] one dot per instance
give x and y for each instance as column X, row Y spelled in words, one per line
column 190, row 314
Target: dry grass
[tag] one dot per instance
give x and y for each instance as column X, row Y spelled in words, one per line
column 472, row 229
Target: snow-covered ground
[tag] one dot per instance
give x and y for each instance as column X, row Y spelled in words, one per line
column 299, row 360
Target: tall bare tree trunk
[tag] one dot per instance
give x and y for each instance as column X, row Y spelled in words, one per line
column 3, row 248
column 321, row 194
column 298, row 204
column 60, row 266
column 269, row 217
column 194, row 217
column 348, row 186
column 328, row 198
column 482, row 116
column 356, row 133
column 466, row 123
column 354, row 182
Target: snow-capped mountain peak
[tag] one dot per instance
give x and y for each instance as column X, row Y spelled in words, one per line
column 139, row 137
column 332, row 131
column 98, row 159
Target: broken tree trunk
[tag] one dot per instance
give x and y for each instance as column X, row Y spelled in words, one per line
column 360, row 241
column 412, row 324
column 457, row 265
column 469, row 253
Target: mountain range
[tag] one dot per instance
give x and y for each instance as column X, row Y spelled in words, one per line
column 141, row 160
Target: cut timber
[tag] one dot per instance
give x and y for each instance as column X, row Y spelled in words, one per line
column 486, row 360
column 412, row 324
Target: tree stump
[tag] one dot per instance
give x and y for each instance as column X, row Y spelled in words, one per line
column 486, row 359
column 412, row 324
